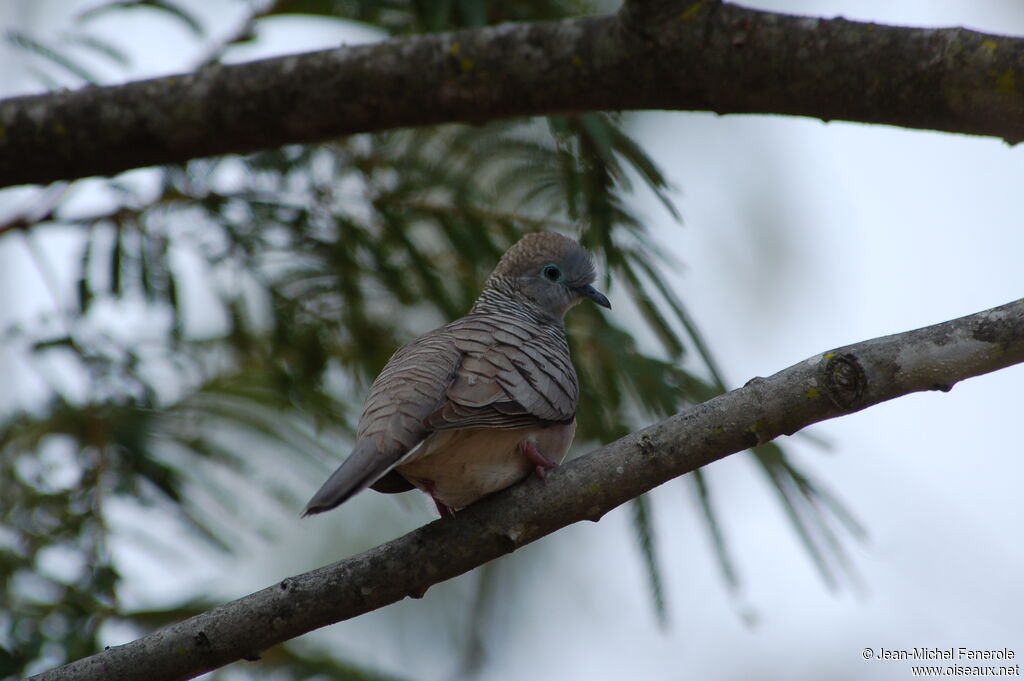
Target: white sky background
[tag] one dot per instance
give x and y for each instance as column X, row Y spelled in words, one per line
column 799, row 236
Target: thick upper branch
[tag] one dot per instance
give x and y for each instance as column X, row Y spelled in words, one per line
column 825, row 386
column 653, row 55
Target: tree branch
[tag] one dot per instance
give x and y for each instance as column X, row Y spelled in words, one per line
column 677, row 55
column 825, row 386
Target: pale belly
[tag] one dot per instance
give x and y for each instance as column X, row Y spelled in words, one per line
column 457, row 467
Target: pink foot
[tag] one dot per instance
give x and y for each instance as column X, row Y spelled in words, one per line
column 541, row 463
column 429, row 486
column 445, row 511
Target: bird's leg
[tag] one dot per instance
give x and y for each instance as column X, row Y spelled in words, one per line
column 541, row 463
column 445, row 511
column 428, row 487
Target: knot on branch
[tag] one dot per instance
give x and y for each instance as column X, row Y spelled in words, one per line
column 845, row 381
column 997, row 328
column 647, row 19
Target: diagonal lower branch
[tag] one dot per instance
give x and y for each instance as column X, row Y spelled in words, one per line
column 655, row 54
column 825, row 386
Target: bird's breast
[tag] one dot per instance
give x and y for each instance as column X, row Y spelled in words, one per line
column 458, row 467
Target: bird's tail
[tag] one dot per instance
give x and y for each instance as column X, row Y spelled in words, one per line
column 360, row 470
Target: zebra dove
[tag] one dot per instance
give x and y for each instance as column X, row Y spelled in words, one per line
column 476, row 405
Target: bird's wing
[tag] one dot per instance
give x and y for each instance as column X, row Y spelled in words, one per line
column 481, row 371
column 410, row 387
column 513, row 374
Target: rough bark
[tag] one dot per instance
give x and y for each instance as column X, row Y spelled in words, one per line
column 825, row 386
column 676, row 55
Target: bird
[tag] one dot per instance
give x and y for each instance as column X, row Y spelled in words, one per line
column 478, row 404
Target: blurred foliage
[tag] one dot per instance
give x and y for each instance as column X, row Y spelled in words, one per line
column 318, row 261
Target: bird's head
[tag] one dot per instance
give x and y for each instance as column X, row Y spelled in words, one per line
column 547, row 272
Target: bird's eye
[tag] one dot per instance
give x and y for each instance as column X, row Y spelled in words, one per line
column 552, row 273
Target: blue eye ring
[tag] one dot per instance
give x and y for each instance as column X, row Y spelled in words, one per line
column 551, row 272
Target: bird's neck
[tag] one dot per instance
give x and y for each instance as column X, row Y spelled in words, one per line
column 500, row 298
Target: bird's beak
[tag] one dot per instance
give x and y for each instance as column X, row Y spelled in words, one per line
column 589, row 291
